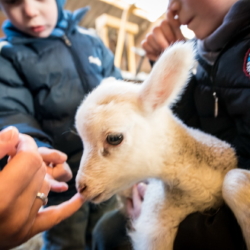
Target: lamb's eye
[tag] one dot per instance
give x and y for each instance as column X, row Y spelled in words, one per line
column 114, row 139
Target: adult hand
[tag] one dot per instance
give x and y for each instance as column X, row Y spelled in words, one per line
column 58, row 171
column 20, row 181
column 9, row 138
column 133, row 205
column 162, row 36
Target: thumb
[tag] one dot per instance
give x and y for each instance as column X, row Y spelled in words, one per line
column 9, row 139
column 142, row 187
column 175, row 25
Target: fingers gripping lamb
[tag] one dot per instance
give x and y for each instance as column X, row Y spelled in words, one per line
column 130, row 134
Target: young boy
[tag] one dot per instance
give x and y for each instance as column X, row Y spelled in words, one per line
column 48, row 64
column 216, row 100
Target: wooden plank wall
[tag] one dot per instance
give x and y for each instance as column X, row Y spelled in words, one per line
column 2, row 18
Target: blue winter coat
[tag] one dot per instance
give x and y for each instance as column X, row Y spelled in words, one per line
column 43, row 81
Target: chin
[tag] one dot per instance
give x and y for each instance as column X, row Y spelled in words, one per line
column 203, row 34
column 43, row 34
column 200, row 35
column 101, row 198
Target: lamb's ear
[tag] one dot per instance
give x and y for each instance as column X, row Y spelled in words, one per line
column 168, row 77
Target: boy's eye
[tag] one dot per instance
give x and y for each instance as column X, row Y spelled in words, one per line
column 114, row 139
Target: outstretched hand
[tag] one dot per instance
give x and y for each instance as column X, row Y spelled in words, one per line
column 21, row 179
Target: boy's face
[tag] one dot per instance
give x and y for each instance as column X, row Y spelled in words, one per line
column 37, row 18
column 201, row 16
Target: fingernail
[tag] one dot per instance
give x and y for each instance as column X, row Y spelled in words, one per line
column 141, row 187
column 64, row 156
column 7, row 134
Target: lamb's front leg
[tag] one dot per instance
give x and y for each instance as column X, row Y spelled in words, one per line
column 158, row 223
column 236, row 193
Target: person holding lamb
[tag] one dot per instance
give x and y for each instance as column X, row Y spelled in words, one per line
column 216, row 101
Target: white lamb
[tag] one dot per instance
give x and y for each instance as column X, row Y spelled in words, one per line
column 130, row 134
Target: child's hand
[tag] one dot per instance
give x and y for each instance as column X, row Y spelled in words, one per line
column 58, row 171
column 133, row 205
column 162, row 36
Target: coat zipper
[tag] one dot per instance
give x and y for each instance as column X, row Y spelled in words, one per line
column 67, row 41
column 215, row 96
column 77, row 63
column 216, row 107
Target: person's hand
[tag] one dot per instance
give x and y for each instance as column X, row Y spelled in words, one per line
column 162, row 36
column 9, row 138
column 58, row 171
column 133, row 205
column 20, row 181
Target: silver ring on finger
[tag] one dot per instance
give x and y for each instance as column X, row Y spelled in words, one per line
column 42, row 197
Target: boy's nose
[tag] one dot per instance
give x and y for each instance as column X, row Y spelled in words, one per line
column 30, row 8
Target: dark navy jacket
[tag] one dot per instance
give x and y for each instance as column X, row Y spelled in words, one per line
column 229, row 78
column 43, row 81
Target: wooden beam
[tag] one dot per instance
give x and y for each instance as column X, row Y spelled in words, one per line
column 131, row 55
column 121, row 35
column 2, row 19
column 126, row 31
column 114, row 22
column 122, row 5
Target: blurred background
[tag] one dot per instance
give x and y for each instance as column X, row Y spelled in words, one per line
column 122, row 25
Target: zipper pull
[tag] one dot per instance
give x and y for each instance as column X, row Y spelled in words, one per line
column 66, row 40
column 216, row 108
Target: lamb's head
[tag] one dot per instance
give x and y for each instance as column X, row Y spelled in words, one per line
column 122, row 126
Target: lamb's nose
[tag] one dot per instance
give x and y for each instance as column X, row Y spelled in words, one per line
column 81, row 188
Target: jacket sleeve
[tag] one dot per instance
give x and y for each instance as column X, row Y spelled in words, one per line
column 16, row 104
column 211, row 230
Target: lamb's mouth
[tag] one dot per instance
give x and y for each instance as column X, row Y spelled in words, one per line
column 100, row 198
